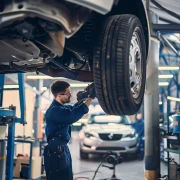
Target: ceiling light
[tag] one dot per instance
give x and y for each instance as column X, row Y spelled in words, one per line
column 76, row 124
column 160, row 102
column 11, row 86
column 163, row 83
column 165, row 76
column 43, row 77
column 79, row 85
column 44, row 88
column 173, row 98
column 168, row 68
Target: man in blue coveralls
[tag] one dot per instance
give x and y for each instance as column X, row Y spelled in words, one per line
column 59, row 117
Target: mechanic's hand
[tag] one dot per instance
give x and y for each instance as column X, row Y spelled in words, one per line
column 92, row 93
column 78, row 99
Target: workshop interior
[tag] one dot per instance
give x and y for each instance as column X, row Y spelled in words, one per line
column 120, row 62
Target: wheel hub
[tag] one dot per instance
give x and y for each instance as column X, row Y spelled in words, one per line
column 135, row 69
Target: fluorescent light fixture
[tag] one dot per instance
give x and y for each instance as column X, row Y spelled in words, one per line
column 83, row 120
column 173, row 98
column 165, row 76
column 160, row 102
column 43, row 77
column 79, row 85
column 43, row 88
column 168, row 68
column 163, row 83
column 11, row 86
column 76, row 124
column 174, row 37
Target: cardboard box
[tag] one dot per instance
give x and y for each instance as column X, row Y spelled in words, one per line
column 16, row 172
column 36, row 166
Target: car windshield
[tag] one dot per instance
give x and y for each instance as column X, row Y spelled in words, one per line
column 106, row 119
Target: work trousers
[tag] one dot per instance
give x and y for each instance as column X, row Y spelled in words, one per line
column 141, row 147
column 58, row 162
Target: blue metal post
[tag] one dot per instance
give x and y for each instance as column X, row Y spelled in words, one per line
column 30, row 160
column 22, row 98
column 10, row 151
column 1, row 88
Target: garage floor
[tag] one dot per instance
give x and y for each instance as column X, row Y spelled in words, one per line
column 129, row 169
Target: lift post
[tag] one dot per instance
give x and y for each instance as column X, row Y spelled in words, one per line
column 8, row 117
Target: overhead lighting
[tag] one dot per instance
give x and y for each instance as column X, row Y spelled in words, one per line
column 76, row 124
column 165, row 76
column 43, row 77
column 11, row 86
column 160, row 102
column 79, row 85
column 168, row 68
column 44, row 88
column 173, row 98
column 163, row 83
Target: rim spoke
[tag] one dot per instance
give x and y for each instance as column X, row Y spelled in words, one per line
column 135, row 72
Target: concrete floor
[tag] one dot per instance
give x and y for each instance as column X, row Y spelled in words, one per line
column 129, row 169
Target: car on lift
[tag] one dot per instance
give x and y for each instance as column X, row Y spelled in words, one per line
column 107, row 132
column 102, row 41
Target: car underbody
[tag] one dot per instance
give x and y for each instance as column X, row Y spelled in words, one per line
column 64, row 39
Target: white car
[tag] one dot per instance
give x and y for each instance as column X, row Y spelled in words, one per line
column 107, row 132
column 100, row 41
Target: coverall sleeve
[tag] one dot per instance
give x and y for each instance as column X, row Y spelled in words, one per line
column 67, row 115
column 131, row 124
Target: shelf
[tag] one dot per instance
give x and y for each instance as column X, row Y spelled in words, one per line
column 177, row 151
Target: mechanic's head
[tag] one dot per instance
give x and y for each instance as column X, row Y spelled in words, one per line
column 139, row 116
column 61, row 91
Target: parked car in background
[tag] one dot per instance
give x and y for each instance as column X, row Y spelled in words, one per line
column 107, row 132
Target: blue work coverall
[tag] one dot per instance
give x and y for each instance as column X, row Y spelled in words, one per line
column 57, row 158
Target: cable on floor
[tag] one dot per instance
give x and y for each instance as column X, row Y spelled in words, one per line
column 86, row 172
column 82, row 178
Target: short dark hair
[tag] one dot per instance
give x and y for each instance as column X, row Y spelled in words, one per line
column 59, row 87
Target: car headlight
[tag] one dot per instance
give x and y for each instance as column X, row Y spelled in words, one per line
column 88, row 135
column 133, row 134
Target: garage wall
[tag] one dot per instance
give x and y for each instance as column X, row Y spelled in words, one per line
column 12, row 98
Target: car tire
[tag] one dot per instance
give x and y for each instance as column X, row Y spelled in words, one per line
column 83, row 155
column 119, row 65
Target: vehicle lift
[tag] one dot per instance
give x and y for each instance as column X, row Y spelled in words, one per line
column 8, row 117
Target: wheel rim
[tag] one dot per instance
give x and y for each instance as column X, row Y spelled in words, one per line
column 135, row 65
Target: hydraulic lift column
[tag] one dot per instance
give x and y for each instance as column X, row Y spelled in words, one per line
column 151, row 109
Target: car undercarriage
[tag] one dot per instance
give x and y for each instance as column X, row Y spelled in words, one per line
column 67, row 39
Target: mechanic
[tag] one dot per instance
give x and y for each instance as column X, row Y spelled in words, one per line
column 138, row 125
column 59, row 117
